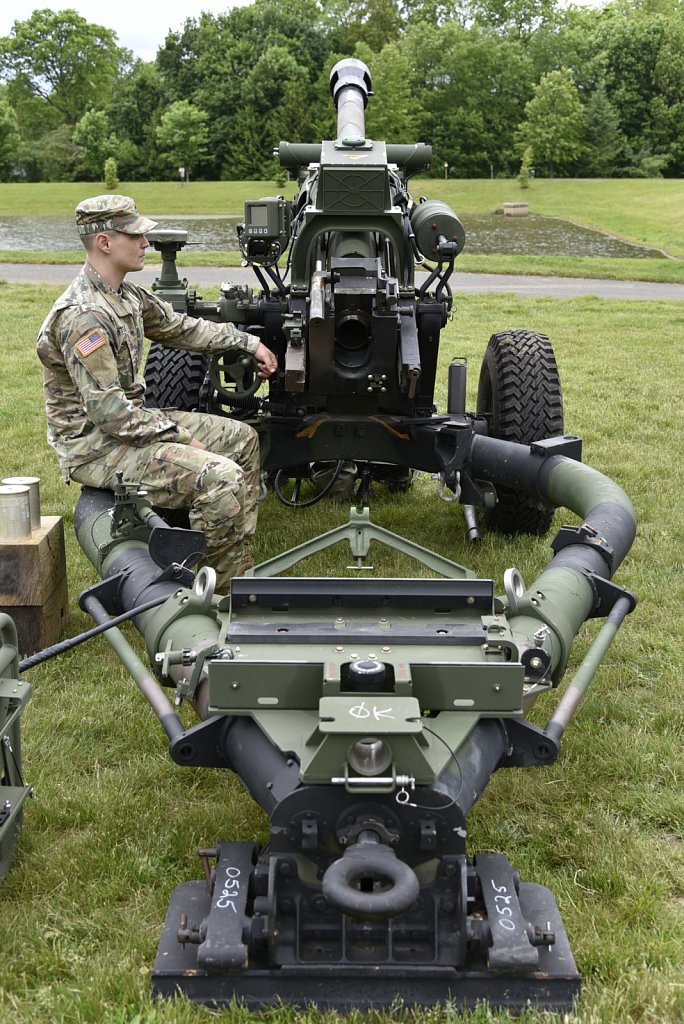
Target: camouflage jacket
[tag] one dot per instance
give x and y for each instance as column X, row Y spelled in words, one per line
column 91, row 347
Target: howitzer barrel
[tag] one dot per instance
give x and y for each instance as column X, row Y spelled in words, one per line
column 350, row 85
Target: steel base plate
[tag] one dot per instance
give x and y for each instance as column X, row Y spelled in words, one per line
column 344, row 987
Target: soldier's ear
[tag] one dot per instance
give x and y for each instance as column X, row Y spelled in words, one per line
column 102, row 241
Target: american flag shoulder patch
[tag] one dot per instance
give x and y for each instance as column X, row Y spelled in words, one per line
column 89, row 342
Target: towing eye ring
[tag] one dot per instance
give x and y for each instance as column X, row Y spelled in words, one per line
column 372, row 862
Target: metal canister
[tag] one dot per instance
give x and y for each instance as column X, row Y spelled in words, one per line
column 15, row 512
column 33, row 484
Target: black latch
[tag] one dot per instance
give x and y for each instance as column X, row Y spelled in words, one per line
column 567, row 445
column 511, row 949
column 583, row 534
column 224, row 947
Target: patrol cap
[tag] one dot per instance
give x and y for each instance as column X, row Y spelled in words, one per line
column 111, row 213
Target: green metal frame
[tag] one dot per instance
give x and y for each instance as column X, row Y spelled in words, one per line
column 359, row 532
column 14, row 696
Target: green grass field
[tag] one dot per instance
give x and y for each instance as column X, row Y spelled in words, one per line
column 650, row 211
column 114, row 824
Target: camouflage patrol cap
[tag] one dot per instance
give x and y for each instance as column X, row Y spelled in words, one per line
column 111, row 213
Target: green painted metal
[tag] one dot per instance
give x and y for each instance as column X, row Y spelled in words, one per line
column 286, row 666
column 350, row 191
column 585, row 673
column 580, row 487
column 14, row 696
column 359, row 532
column 562, row 598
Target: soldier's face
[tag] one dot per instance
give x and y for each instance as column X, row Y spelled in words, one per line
column 128, row 251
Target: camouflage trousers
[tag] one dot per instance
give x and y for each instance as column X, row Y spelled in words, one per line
column 219, row 487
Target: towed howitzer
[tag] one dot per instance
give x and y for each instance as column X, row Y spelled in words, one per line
column 356, row 335
column 365, row 716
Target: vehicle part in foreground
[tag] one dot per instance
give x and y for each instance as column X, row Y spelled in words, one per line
column 14, row 696
column 365, row 716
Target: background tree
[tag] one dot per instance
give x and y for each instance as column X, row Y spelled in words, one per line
column 553, row 123
column 526, row 168
column 435, row 12
column 373, row 22
column 395, row 112
column 603, row 141
column 475, row 86
column 111, row 174
column 273, row 95
column 62, row 59
column 519, row 18
column 93, row 135
column 182, row 135
column 52, row 157
column 134, row 109
column 667, row 106
column 9, row 141
column 211, row 60
column 456, row 74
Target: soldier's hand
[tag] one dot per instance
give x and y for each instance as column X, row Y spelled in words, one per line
column 268, row 363
column 198, row 444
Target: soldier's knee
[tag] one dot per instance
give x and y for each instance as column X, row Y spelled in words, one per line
column 220, row 475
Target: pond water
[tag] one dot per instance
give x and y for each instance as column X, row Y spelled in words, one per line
column 485, row 234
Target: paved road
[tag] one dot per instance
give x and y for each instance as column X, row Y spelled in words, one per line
column 554, row 287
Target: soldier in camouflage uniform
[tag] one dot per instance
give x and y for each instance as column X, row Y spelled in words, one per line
column 91, row 348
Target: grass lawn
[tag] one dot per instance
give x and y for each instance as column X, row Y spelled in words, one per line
column 115, row 823
column 650, row 211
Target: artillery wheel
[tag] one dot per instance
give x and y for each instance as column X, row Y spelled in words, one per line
column 520, row 391
column 175, row 379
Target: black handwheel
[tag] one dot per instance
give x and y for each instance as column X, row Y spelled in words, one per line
column 233, row 375
column 370, row 882
column 174, row 378
column 520, row 392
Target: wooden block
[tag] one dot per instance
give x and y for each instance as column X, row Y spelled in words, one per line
column 32, row 568
column 42, row 625
column 33, row 585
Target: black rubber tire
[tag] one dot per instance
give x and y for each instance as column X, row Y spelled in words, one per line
column 175, row 379
column 520, row 391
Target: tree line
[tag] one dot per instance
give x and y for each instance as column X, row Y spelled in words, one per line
column 497, row 87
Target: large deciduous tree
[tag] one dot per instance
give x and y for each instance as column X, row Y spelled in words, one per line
column 183, row 135
column 136, row 104
column 220, row 63
column 63, row 59
column 553, row 124
column 373, row 22
column 474, row 88
column 519, row 18
column 394, row 114
column 93, row 135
